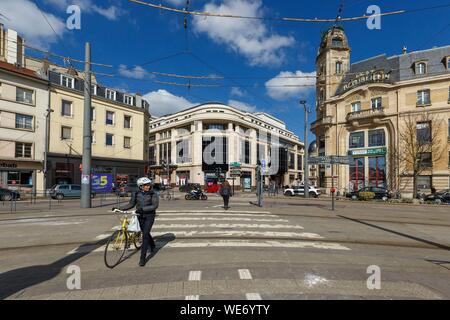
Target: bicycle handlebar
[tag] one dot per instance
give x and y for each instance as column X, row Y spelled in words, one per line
column 132, row 212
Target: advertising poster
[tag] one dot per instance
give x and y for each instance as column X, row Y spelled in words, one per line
column 102, row 182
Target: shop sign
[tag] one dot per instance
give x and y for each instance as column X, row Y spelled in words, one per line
column 368, row 152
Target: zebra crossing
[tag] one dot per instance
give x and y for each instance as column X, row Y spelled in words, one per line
column 218, row 228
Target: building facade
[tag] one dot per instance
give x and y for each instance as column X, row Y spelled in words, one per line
column 203, row 143
column 365, row 109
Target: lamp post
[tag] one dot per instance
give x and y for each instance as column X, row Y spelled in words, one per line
column 305, row 160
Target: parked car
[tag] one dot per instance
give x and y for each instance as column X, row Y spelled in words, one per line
column 127, row 189
column 62, row 191
column 300, row 191
column 189, row 186
column 380, row 193
column 439, row 197
column 7, row 195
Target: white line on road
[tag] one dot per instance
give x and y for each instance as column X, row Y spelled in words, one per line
column 244, row 274
column 253, row 296
column 195, row 276
column 231, row 233
column 210, row 211
column 226, row 225
column 196, row 297
column 211, row 214
column 222, row 219
column 102, row 236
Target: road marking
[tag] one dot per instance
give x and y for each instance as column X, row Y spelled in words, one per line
column 210, row 211
column 312, row 280
column 222, row 219
column 227, row 225
column 211, row 214
column 253, row 296
column 234, row 204
column 244, row 274
column 102, row 236
column 116, row 228
column 195, row 276
column 196, row 297
column 231, row 233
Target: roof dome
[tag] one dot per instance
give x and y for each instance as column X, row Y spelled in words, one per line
column 312, row 147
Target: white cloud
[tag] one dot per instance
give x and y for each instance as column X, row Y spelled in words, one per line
column 163, row 102
column 235, row 91
column 24, row 17
column 282, row 87
column 248, row 37
column 110, row 13
column 136, row 73
column 242, row 106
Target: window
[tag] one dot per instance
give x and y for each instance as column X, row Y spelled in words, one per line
column 24, row 122
column 448, row 129
column 376, row 138
column 299, row 162
column 376, row 103
column 23, row 150
column 94, row 89
column 215, row 127
column 110, row 118
column 424, row 182
column 291, row 160
column 356, row 106
column 421, row 68
column 128, row 99
column 93, row 137
column 127, row 122
column 24, row 95
column 66, row 108
column 338, row 67
column 110, row 94
column 76, row 188
column 425, row 160
column 66, row 133
column 423, row 132
column 423, row 97
column 109, row 139
column 67, row 81
column 336, row 42
column 447, row 63
column 356, row 140
column 127, row 142
column 449, row 159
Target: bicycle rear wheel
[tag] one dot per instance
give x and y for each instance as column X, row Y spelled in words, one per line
column 115, row 248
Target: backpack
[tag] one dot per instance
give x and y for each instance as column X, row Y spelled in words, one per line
column 224, row 192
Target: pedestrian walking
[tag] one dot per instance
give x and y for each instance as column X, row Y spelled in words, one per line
column 225, row 192
column 146, row 202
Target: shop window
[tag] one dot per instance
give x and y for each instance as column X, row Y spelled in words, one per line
column 376, row 138
column 356, row 140
column 424, row 182
column 357, row 174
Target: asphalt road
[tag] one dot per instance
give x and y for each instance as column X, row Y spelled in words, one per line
column 289, row 249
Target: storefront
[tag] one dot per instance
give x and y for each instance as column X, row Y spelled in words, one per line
column 183, row 178
column 368, row 168
column 246, row 180
column 19, row 174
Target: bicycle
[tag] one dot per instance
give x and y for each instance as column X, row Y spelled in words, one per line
column 120, row 241
column 166, row 194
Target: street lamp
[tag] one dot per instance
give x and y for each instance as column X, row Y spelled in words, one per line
column 305, row 159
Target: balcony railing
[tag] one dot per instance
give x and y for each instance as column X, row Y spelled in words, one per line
column 328, row 120
column 369, row 113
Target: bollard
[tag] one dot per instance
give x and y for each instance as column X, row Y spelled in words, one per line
column 49, row 202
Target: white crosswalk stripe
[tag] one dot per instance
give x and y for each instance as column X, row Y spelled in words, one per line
column 246, row 229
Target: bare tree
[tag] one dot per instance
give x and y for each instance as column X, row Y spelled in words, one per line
column 420, row 146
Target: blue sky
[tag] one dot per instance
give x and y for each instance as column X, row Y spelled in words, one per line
column 250, row 53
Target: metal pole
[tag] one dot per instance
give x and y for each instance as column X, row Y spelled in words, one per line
column 47, row 129
column 332, row 186
column 305, row 160
column 86, row 172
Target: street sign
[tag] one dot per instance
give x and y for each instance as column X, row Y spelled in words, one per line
column 329, row 160
column 235, row 173
column 235, row 164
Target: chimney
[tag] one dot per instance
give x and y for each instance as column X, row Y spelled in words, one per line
column 404, row 50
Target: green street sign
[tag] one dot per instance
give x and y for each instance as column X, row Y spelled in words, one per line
column 368, row 152
column 235, row 164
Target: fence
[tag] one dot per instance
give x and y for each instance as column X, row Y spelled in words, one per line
column 44, row 201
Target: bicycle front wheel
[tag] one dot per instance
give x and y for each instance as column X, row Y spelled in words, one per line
column 137, row 240
column 115, row 248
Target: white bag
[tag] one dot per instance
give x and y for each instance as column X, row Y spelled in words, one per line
column 134, row 225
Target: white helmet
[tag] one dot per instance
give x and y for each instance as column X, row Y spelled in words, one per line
column 143, row 181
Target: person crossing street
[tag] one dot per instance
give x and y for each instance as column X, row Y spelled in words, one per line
column 146, row 201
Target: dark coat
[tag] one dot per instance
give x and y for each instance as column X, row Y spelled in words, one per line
column 148, row 202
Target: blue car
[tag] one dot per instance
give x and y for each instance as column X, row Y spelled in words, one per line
column 62, row 191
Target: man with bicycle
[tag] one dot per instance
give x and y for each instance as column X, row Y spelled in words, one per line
column 146, row 202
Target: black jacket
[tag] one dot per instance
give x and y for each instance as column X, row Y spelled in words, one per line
column 148, row 202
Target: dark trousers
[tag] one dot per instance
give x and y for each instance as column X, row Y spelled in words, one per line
column 226, row 200
column 146, row 223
